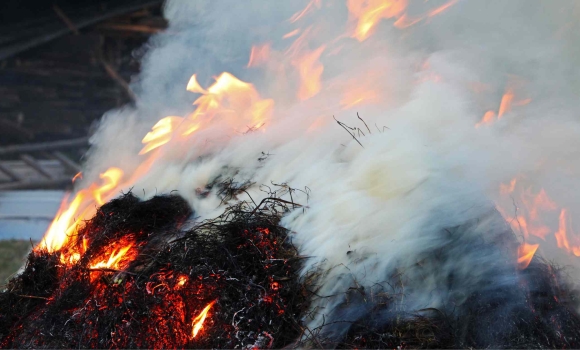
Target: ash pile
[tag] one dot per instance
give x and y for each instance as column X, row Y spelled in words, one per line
column 143, row 274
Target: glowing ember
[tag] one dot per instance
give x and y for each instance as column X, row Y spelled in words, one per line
column 197, row 323
column 113, row 262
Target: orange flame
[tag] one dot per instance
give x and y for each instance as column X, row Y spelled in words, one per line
column 291, row 34
column 113, row 262
column 259, row 55
column 370, row 12
column 356, row 96
column 561, row 235
column 441, row 8
column 310, row 70
column 197, row 323
column 506, row 103
column 525, row 254
column 160, row 134
column 309, row 8
column 488, row 118
column 65, row 222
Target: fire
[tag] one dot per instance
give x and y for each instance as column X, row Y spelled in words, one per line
column 259, row 55
column 441, row 8
column 488, row 118
column 370, row 12
column 160, row 134
column 529, row 220
column 525, row 254
column 310, row 7
column 228, row 98
column 310, row 70
column 355, row 97
column 197, row 323
column 67, row 219
column 561, row 235
column 114, row 260
column 506, row 103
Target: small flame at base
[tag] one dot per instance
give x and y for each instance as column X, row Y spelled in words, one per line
column 198, row 321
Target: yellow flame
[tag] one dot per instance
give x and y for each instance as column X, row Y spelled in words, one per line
column 198, row 321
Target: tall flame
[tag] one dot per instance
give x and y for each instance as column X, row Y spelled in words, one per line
column 310, row 70
column 67, row 219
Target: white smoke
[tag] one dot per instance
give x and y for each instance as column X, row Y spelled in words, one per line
column 375, row 208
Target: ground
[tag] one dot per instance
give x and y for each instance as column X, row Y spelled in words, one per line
column 12, row 255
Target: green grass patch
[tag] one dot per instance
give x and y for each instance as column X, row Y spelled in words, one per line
column 13, row 253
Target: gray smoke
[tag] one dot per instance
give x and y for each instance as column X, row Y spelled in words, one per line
column 423, row 167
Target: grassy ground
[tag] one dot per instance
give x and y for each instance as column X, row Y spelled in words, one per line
column 12, row 255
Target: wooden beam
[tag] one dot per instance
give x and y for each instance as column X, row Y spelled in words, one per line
column 45, row 146
column 65, row 19
column 12, row 175
column 28, row 159
column 119, row 80
column 66, row 161
column 46, row 37
column 39, row 184
column 141, row 28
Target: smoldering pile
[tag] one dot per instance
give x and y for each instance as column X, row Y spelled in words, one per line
column 243, row 271
column 240, row 268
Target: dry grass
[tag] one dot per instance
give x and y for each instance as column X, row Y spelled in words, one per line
column 12, row 256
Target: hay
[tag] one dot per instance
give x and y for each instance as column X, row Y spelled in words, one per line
column 243, row 261
column 244, row 265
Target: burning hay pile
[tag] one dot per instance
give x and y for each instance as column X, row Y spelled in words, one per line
column 132, row 277
column 139, row 274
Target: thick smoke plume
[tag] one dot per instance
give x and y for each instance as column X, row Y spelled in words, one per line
column 419, row 165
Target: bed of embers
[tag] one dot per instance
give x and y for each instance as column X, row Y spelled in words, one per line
column 146, row 274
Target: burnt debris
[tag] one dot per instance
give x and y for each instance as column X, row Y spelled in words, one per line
column 144, row 274
column 241, row 263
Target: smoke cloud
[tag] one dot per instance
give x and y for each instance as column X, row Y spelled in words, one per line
column 377, row 208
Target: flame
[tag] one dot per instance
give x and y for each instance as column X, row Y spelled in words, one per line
column 525, row 254
column 161, row 133
column 370, row 12
column 405, row 21
column 310, row 7
column 65, row 223
column 78, row 175
column 355, row 97
column 310, row 70
column 291, row 34
column 561, row 235
column 194, row 86
column 259, row 55
column 441, row 8
column 111, row 178
column 197, row 323
column 228, row 97
column 114, row 260
column 506, row 103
